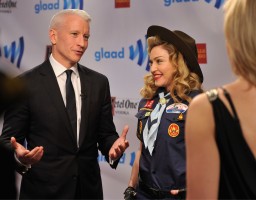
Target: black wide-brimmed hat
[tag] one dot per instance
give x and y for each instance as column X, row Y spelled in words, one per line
column 185, row 44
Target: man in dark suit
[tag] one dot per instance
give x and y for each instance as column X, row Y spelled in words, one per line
column 60, row 161
column 11, row 91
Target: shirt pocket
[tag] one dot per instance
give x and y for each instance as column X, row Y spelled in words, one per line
column 174, row 126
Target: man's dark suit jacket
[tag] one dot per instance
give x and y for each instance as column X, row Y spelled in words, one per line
column 11, row 91
column 42, row 120
column 7, row 175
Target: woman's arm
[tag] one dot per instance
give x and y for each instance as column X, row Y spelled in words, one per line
column 135, row 169
column 130, row 193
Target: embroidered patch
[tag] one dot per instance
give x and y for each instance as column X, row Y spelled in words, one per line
column 180, row 117
column 149, row 104
column 149, row 109
column 140, row 126
column 147, row 114
column 177, row 108
column 174, row 130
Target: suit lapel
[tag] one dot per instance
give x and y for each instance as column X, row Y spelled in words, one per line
column 52, row 88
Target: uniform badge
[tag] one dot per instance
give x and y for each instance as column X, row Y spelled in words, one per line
column 140, row 126
column 148, row 109
column 147, row 114
column 180, row 117
column 163, row 101
column 174, row 130
column 177, row 108
column 149, row 104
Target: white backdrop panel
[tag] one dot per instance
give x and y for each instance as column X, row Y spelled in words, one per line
column 113, row 32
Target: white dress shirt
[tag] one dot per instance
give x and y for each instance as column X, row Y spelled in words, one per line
column 59, row 71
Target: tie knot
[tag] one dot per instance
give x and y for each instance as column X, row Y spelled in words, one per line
column 69, row 72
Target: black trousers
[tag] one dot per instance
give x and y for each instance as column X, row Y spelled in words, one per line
column 146, row 192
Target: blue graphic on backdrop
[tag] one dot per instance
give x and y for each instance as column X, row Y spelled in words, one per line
column 140, row 52
column 55, row 5
column 15, row 50
column 123, row 160
column 132, row 158
column 170, row 2
column 73, row 4
column 218, row 3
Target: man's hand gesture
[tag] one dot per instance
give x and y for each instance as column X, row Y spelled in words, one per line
column 25, row 156
column 120, row 145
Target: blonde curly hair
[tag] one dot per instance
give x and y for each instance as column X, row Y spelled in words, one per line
column 184, row 81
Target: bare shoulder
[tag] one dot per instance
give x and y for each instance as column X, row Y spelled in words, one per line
column 200, row 119
column 200, row 102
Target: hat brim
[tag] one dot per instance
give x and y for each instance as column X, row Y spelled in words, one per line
column 173, row 38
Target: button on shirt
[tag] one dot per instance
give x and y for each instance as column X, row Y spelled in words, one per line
column 59, row 71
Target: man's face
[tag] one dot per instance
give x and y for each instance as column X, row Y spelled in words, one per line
column 70, row 40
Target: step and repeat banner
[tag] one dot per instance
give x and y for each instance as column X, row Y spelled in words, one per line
column 117, row 48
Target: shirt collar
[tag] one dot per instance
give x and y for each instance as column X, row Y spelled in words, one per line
column 59, row 69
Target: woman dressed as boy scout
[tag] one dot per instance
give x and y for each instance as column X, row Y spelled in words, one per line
column 175, row 77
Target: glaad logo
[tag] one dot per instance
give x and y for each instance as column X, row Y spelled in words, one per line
column 13, row 51
column 124, row 159
column 218, row 3
column 74, row 4
column 104, row 54
column 170, row 2
column 140, row 52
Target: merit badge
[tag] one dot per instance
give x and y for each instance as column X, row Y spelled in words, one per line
column 173, row 130
column 177, row 108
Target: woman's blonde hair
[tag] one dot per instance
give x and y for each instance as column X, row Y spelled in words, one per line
column 239, row 27
column 184, row 81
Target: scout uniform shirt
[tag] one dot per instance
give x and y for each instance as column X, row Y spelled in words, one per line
column 166, row 168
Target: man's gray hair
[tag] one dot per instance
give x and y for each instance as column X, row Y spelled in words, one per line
column 57, row 18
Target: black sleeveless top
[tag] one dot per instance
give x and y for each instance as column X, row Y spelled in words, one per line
column 238, row 165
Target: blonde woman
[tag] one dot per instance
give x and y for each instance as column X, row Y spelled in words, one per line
column 220, row 126
column 175, row 78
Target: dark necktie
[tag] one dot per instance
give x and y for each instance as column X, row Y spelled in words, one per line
column 71, row 102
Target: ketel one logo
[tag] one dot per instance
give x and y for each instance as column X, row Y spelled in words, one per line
column 140, row 52
column 14, row 52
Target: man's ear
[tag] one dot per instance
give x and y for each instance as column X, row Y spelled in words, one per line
column 53, row 36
